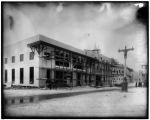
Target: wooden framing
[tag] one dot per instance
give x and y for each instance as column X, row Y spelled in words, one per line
column 71, row 62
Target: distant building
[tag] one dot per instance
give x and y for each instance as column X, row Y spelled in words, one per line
column 129, row 73
column 117, row 74
column 135, row 76
column 39, row 61
column 143, row 77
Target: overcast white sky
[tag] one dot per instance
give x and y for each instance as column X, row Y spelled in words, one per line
column 109, row 26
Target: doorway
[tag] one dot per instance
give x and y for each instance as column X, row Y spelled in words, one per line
column 97, row 80
column 78, row 79
column 48, row 74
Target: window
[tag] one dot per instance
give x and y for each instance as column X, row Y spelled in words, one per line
column 21, row 57
column 31, row 55
column 13, row 75
column 31, row 75
column 6, row 61
column 21, row 75
column 13, row 59
column 5, row 76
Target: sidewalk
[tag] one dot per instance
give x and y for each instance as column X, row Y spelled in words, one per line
column 8, row 93
column 32, row 92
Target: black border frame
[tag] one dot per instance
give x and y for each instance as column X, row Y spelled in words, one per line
column 72, row 117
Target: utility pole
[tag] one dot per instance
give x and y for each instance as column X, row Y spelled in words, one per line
column 125, row 51
column 125, row 56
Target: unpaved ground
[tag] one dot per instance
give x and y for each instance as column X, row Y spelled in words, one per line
column 100, row 104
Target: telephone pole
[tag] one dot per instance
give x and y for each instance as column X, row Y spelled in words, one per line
column 125, row 82
column 125, row 51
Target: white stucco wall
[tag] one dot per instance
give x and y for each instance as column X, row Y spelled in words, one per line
column 15, row 50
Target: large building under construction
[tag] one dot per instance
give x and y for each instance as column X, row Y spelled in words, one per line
column 39, row 60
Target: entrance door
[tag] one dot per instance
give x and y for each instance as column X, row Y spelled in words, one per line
column 48, row 74
column 48, row 82
column 97, row 80
column 21, row 75
column 100, row 81
column 13, row 76
column 78, row 79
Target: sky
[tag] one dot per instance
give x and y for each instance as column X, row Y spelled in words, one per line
column 84, row 25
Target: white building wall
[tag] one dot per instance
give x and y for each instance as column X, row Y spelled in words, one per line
column 16, row 50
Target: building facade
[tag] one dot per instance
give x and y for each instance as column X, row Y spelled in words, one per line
column 129, row 73
column 117, row 74
column 38, row 61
